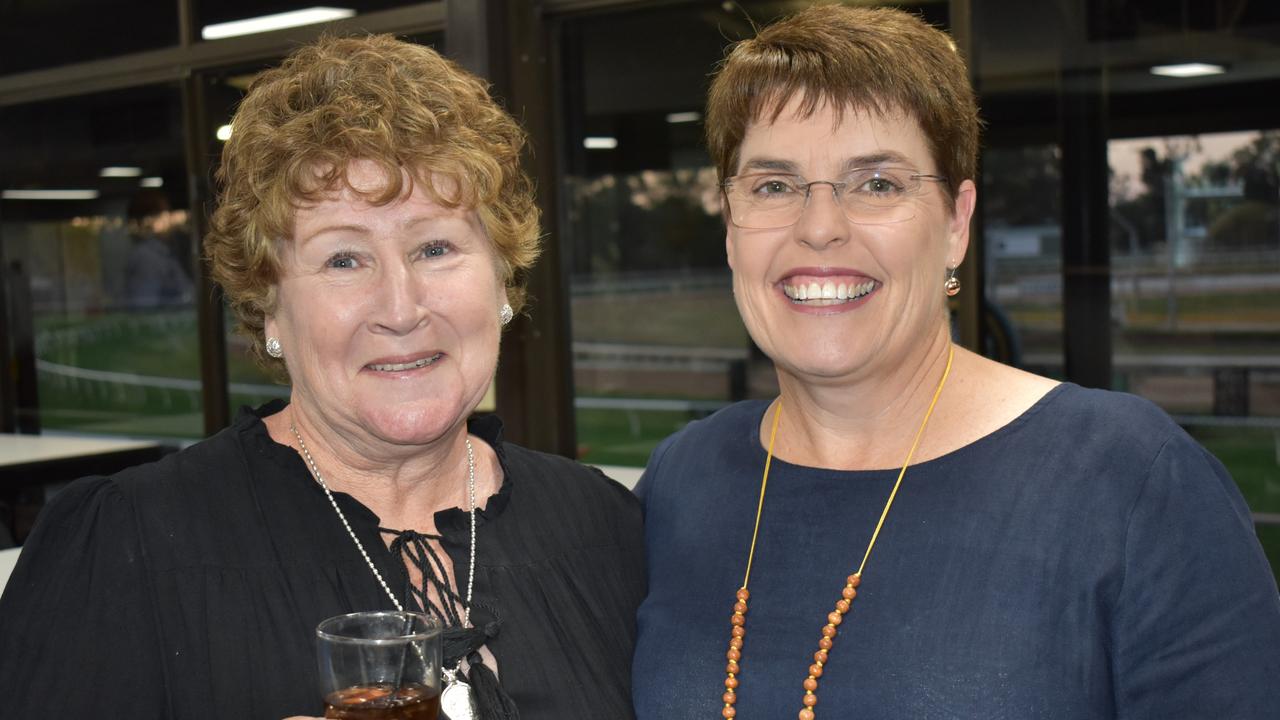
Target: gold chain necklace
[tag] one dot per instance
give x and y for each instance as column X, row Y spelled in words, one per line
column 847, row 594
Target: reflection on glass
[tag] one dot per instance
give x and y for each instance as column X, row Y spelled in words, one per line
column 1023, row 236
column 657, row 340
column 1196, row 295
column 101, row 287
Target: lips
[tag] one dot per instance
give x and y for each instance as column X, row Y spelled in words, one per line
column 391, row 365
column 825, row 289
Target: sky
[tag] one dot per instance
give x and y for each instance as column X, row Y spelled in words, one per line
column 1124, row 155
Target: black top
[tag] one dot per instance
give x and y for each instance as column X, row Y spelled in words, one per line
column 191, row 587
column 1088, row 560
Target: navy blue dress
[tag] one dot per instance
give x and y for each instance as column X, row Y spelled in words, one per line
column 1088, row 560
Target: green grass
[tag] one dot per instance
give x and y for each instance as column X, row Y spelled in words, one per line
column 619, row 437
column 1250, row 456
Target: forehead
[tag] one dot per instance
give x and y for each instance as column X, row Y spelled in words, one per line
column 831, row 138
column 367, row 192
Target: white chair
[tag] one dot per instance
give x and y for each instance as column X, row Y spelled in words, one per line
column 8, row 558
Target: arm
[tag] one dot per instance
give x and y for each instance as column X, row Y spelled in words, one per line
column 1197, row 625
column 77, row 632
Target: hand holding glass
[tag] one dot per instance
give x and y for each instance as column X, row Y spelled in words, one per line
column 380, row 666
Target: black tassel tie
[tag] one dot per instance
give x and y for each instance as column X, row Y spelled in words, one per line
column 457, row 642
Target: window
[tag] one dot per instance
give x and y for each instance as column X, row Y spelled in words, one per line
column 96, row 238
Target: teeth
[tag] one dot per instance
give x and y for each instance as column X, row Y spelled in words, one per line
column 398, row 367
column 820, row 294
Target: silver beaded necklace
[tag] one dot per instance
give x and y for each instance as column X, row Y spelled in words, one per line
column 456, row 700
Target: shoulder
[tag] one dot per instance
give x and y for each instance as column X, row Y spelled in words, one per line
column 558, row 476
column 209, row 464
column 1108, row 417
column 728, row 434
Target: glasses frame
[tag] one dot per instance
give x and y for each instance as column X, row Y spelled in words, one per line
column 837, row 188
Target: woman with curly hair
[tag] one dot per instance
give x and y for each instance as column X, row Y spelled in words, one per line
column 372, row 223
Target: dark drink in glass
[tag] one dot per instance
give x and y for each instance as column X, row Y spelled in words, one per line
column 383, row 702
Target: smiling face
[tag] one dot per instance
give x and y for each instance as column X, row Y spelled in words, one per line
column 827, row 298
column 387, row 315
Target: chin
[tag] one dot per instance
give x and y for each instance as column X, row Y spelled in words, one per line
column 411, row 425
column 835, row 363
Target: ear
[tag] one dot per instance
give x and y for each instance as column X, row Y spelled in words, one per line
column 958, row 229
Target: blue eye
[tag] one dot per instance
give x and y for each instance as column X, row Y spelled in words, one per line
column 342, row 261
column 437, row 248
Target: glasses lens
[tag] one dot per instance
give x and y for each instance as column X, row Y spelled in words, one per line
column 765, row 201
column 876, row 196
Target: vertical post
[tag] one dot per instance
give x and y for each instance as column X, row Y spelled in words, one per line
column 8, row 388
column 22, row 343
column 208, row 298
column 971, row 273
column 1173, row 238
column 508, row 44
column 1086, row 256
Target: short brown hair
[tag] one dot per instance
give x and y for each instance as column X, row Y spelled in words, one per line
column 338, row 100
column 877, row 59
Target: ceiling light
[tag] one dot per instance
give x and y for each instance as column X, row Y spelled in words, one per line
column 599, row 143
column 49, row 194
column 277, row 21
column 119, row 172
column 152, row 182
column 683, row 117
column 1185, row 70
column 224, row 133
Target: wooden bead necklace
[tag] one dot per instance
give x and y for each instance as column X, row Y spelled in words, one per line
column 739, row 618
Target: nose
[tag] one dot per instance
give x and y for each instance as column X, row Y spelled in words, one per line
column 399, row 301
column 823, row 222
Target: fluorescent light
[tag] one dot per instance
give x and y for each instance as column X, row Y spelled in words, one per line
column 152, row 182
column 224, row 133
column 1185, row 70
column 599, row 143
column 683, row 117
column 49, row 194
column 277, row 21
column 119, row 172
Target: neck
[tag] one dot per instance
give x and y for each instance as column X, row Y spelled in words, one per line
column 404, row 486
column 861, row 423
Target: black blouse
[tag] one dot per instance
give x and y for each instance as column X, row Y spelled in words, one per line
column 191, row 587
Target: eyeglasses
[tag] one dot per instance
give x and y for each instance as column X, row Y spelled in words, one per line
column 868, row 196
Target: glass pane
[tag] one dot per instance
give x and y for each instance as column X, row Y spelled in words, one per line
column 95, row 234
column 1022, row 232
column 1196, row 295
column 657, row 340
column 38, row 35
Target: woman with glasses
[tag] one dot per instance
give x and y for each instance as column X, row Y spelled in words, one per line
column 910, row 530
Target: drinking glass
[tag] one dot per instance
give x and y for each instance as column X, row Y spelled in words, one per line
column 380, row 666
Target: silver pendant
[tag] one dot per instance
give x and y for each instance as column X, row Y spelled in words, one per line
column 456, row 700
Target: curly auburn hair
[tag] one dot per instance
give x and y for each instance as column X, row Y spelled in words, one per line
column 877, row 59
column 418, row 116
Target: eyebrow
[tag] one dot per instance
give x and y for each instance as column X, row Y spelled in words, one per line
column 886, row 157
column 360, row 229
